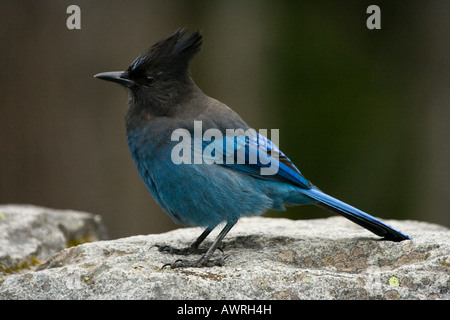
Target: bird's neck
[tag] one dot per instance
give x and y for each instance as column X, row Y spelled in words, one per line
column 141, row 113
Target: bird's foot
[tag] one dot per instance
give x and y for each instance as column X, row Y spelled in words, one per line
column 183, row 251
column 202, row 262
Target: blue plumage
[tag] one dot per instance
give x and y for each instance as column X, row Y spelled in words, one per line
column 241, row 174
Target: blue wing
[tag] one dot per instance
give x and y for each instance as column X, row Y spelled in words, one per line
column 254, row 155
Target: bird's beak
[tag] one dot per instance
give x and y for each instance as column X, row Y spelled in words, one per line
column 120, row 77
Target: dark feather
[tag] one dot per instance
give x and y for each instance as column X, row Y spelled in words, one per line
column 171, row 53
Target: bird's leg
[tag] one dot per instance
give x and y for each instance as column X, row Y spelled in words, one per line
column 205, row 260
column 192, row 249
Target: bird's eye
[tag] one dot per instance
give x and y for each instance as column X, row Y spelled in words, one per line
column 149, row 80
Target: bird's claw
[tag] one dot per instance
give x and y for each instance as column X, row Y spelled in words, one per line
column 202, row 262
column 183, row 251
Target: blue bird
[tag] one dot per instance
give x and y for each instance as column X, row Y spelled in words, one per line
column 166, row 108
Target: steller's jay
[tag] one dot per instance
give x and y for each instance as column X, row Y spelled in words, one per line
column 163, row 99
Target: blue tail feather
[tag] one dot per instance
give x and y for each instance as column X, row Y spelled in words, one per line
column 363, row 219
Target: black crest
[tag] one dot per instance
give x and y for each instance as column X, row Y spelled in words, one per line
column 171, row 53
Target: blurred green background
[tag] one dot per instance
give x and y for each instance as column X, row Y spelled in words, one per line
column 364, row 114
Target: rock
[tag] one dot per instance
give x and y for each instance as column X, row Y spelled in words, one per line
column 269, row 259
column 29, row 234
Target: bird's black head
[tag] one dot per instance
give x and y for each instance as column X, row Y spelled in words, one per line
column 160, row 76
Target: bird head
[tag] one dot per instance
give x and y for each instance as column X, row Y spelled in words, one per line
column 161, row 74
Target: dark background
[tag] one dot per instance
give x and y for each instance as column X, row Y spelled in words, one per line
column 363, row 113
